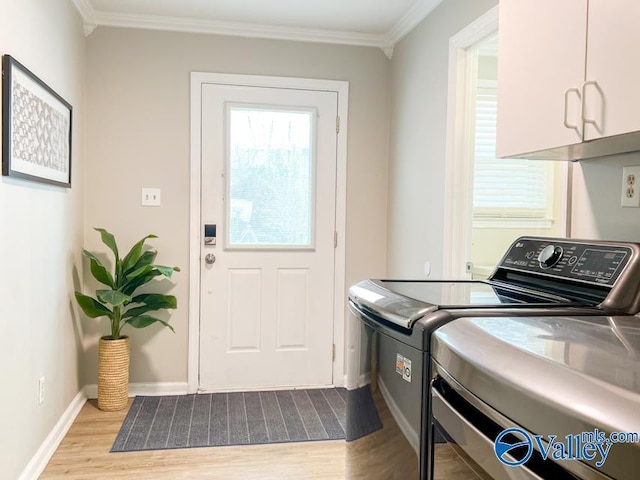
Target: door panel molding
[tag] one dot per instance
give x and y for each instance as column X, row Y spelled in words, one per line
column 198, row 79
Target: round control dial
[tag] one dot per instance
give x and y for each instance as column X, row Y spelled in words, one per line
column 549, row 256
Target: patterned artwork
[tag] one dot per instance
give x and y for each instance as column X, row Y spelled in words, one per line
column 36, row 128
column 40, row 133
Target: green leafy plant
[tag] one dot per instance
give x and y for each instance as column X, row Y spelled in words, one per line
column 118, row 302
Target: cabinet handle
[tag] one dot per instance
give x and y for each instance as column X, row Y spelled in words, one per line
column 566, row 108
column 584, row 102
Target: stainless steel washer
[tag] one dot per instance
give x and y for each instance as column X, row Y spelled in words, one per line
column 388, row 405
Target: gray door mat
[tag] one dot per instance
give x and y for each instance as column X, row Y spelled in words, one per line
column 217, row 419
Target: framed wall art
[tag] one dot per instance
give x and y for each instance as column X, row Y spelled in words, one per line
column 36, row 128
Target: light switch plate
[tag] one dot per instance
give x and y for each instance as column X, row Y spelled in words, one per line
column 150, row 197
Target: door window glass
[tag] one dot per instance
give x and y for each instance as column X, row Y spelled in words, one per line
column 270, row 177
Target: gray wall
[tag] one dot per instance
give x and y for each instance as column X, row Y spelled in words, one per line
column 138, row 135
column 596, row 212
column 40, row 241
column 419, row 85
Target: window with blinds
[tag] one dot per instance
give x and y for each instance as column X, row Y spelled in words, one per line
column 505, row 192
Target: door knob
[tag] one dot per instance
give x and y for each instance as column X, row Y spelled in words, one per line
column 210, row 259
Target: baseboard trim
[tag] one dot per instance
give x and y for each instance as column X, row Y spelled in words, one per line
column 39, row 461
column 146, row 389
column 404, row 424
column 363, row 379
column 264, row 388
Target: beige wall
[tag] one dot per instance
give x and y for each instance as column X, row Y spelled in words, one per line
column 138, row 135
column 419, row 83
column 40, row 241
column 596, row 210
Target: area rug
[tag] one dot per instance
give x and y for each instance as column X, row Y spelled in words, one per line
column 217, row 419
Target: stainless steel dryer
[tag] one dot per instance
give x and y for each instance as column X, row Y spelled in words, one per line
column 388, row 403
column 563, row 386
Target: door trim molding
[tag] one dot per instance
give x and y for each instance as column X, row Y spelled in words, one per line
column 457, row 213
column 342, row 89
column 457, row 206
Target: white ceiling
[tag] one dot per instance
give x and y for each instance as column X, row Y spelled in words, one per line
column 379, row 23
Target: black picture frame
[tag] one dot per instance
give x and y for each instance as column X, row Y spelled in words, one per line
column 36, row 127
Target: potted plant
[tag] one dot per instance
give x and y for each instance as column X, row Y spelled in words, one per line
column 122, row 306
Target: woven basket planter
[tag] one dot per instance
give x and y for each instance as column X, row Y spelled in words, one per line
column 113, row 374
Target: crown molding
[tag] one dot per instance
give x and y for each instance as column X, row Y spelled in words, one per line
column 409, row 20
column 88, row 28
column 92, row 18
column 193, row 25
column 88, row 14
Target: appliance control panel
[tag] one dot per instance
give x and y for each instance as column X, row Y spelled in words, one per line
column 597, row 263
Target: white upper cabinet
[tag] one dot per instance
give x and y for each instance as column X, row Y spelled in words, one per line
column 541, row 55
column 568, row 74
column 613, row 99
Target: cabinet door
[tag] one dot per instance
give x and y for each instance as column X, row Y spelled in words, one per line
column 541, row 55
column 612, row 62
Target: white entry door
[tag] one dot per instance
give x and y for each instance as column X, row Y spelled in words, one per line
column 269, row 187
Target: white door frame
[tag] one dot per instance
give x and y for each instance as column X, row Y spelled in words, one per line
column 457, row 210
column 458, row 203
column 195, row 226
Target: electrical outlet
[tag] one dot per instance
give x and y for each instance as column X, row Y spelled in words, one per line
column 150, row 197
column 630, row 187
column 40, row 390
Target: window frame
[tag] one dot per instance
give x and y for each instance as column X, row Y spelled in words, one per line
column 311, row 246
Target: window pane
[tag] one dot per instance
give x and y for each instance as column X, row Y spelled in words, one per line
column 270, row 177
column 504, row 188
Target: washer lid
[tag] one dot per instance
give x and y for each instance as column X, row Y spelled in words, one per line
column 553, row 375
column 404, row 301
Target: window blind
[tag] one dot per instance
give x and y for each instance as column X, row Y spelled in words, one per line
column 504, row 189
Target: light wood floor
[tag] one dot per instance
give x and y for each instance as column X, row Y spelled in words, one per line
column 84, row 454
